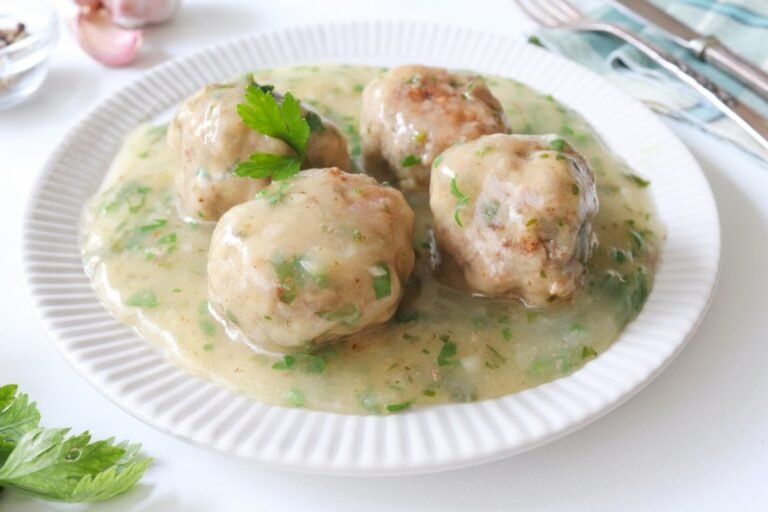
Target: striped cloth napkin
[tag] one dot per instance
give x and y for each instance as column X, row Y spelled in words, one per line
column 741, row 24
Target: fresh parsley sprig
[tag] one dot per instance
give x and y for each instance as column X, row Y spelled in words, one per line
column 48, row 464
column 282, row 120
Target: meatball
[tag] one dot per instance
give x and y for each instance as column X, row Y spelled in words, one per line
column 413, row 113
column 311, row 259
column 514, row 213
column 209, row 139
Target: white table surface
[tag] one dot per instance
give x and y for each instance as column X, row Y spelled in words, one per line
column 695, row 439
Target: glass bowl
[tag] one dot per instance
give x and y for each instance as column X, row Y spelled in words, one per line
column 24, row 63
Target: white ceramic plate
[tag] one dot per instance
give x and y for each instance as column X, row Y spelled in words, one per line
column 137, row 378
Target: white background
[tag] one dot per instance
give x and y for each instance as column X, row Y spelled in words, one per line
column 695, row 439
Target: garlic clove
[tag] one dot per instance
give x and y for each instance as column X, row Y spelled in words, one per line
column 91, row 4
column 105, row 41
column 139, row 13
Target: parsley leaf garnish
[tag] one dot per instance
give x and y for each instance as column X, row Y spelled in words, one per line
column 262, row 112
column 47, row 464
column 268, row 165
column 462, row 200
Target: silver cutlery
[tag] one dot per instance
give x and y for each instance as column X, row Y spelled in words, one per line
column 560, row 14
column 706, row 48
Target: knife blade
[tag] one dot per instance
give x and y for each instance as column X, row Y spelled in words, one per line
column 704, row 47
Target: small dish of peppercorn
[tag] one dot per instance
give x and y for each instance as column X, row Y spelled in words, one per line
column 29, row 30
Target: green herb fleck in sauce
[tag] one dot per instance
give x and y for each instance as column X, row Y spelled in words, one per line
column 462, row 200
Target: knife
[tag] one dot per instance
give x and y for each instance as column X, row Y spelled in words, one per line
column 706, row 48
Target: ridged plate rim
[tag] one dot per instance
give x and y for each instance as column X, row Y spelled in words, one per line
column 136, row 377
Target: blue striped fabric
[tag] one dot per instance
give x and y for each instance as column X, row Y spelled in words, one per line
column 741, row 24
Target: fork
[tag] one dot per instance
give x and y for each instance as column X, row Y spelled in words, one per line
column 561, row 14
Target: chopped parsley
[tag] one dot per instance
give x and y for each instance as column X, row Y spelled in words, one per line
column 447, row 352
column 305, row 362
column 132, row 194
column 399, row 406
column 637, row 239
column 625, row 292
column 382, row 286
column 312, row 364
column 156, row 224
column 167, row 239
column 287, row 362
column 576, row 327
column 145, row 298
column 495, row 359
column 205, row 320
column 462, row 200
column 410, row 160
column 587, row 352
column 347, row 314
column 557, row 144
column 637, row 180
column 293, row 274
column 355, row 145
